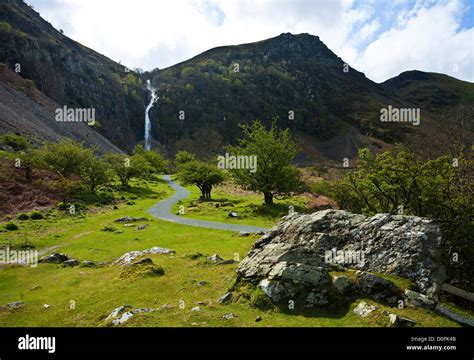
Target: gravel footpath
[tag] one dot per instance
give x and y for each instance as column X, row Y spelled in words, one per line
column 162, row 210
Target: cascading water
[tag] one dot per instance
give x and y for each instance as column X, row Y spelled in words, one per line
column 152, row 92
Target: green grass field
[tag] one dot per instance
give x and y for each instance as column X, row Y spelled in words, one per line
column 250, row 207
column 97, row 291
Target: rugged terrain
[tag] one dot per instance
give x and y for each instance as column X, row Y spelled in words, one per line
column 332, row 108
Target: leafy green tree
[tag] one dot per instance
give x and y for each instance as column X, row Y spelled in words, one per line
column 127, row 167
column 274, row 150
column 95, row 172
column 14, row 141
column 157, row 163
column 65, row 158
column 201, row 174
column 183, row 157
column 441, row 189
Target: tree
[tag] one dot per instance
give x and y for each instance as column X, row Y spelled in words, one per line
column 127, row 167
column 274, row 150
column 440, row 189
column 201, row 174
column 95, row 172
column 157, row 163
column 183, row 157
column 65, row 158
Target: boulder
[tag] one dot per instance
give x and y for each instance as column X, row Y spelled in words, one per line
column 127, row 258
column 55, row 258
column 71, row 262
column 343, row 284
column 419, row 300
column 294, row 257
column 225, row 298
column 124, row 313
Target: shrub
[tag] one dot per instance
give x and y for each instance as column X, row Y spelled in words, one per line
column 11, row 226
column 28, row 84
column 22, row 216
column 5, row 27
column 36, row 215
column 62, row 205
column 397, row 182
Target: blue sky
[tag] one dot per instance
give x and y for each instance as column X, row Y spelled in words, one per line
column 381, row 38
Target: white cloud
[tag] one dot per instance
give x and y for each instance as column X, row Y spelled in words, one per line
column 149, row 34
column 430, row 40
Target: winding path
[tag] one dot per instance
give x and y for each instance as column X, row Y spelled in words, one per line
column 162, row 211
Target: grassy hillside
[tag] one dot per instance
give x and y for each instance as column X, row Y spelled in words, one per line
column 97, row 291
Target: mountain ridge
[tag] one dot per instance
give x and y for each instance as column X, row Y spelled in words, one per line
column 336, row 108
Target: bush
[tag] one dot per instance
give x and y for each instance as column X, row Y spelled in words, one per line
column 11, row 226
column 36, row 215
column 397, row 182
column 22, row 216
column 28, row 84
column 63, row 206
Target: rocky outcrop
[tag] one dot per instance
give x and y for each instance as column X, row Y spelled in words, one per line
column 294, row 258
column 129, row 257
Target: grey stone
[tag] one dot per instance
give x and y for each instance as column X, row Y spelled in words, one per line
column 124, row 313
column 215, row 258
column 55, row 258
column 225, row 298
column 416, row 299
column 143, row 261
column 71, row 262
column 274, row 290
column 15, row 305
column 363, row 309
column 343, row 284
column 292, row 257
column 88, row 263
column 228, row 316
column 127, row 258
column 395, row 320
column 233, row 214
column 378, row 288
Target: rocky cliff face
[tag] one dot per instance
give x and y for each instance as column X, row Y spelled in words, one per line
column 293, row 260
column 72, row 74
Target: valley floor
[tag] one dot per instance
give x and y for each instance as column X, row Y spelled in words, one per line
column 80, row 296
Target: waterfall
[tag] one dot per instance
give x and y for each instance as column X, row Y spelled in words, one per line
column 152, row 92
